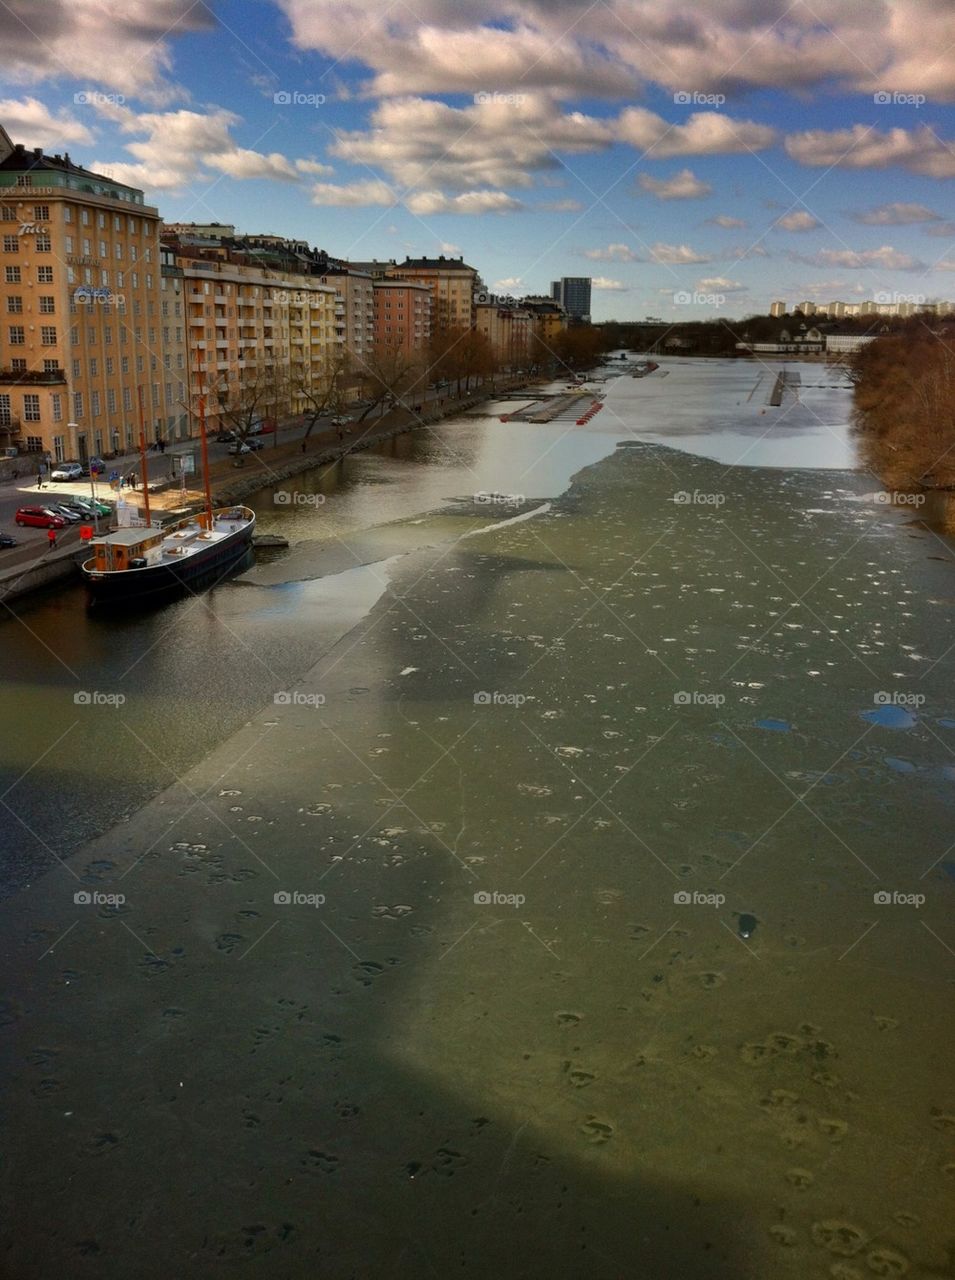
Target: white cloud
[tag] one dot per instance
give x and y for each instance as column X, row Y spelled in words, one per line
column 314, row 167
column 31, row 122
column 452, row 250
column 720, row 284
column 604, row 284
column 705, row 133
column 494, row 144
column 896, row 214
column 798, row 220
column 724, row 220
column 425, row 203
column 886, row 258
column 561, row 206
column 677, row 254
column 681, row 186
column 354, row 194
column 612, row 253
column 714, row 45
column 509, row 285
column 918, row 150
column 121, row 44
column 181, row 146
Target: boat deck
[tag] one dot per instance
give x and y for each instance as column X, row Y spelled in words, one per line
column 192, row 538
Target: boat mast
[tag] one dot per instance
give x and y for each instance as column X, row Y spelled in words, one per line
column 205, row 457
column 142, row 456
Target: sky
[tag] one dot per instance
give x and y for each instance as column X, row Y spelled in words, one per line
column 697, row 159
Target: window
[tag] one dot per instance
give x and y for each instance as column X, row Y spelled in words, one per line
column 4, row 409
column 118, row 252
column 18, row 364
column 133, row 253
column 91, row 337
column 76, row 369
column 117, row 222
column 137, row 305
column 165, row 310
column 85, row 217
column 94, row 403
column 17, row 338
column 167, row 361
column 135, row 276
column 124, row 364
column 31, row 407
column 24, row 180
column 109, row 366
column 12, row 275
column 155, row 395
column 67, row 213
column 101, row 220
column 94, row 367
column 47, row 304
column 139, row 364
column 59, row 448
column 8, row 213
column 127, row 399
column 10, row 244
column 44, row 275
column 48, row 335
column 75, row 336
column 34, row 444
column 168, row 394
column 133, row 228
column 107, row 335
column 56, row 403
column 153, row 364
column 77, row 404
column 103, row 249
column 42, row 244
column 51, row 366
column 110, row 400
column 41, row 213
column 14, row 303
column 179, row 363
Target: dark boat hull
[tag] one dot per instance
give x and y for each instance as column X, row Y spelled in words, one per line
column 162, row 582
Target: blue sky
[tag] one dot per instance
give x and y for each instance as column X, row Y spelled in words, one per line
column 728, row 151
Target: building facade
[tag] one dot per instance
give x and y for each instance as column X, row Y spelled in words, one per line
column 508, row 330
column 451, row 283
column 81, row 364
column 573, row 294
column 403, row 317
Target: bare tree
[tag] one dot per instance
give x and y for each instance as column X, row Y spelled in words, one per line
column 389, row 373
column 326, row 393
column 261, row 390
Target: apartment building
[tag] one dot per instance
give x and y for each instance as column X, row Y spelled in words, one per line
column 80, row 323
column 246, row 324
column 356, row 295
column 175, row 348
column 548, row 321
column 508, row 330
column 573, row 294
column 451, row 283
column 403, row 316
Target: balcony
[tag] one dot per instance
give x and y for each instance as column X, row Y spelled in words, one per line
column 32, row 377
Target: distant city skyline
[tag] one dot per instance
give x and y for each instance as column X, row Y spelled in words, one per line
column 693, row 160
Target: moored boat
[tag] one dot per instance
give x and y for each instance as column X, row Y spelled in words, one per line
column 137, row 564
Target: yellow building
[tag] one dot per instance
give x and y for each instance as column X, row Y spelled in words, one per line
column 80, row 321
column 452, row 284
column 508, row 330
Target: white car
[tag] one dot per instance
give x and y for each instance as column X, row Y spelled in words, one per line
column 68, row 471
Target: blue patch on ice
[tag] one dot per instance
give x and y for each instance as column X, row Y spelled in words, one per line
column 946, row 723
column 774, row 726
column 890, row 717
column 899, row 766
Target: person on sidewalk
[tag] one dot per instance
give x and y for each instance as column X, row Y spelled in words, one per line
column 39, row 479
column 51, row 538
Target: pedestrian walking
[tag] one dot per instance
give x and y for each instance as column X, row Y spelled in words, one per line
column 39, row 479
column 51, row 538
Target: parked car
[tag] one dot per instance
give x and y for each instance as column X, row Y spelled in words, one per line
column 87, row 508
column 7, row 541
column 61, row 509
column 341, row 421
column 255, row 429
column 244, row 446
column 39, row 517
column 225, row 437
column 68, row 471
column 268, row 427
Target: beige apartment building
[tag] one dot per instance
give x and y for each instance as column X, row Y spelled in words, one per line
column 508, row 330
column 245, row 323
column 451, row 283
column 356, row 296
column 80, row 317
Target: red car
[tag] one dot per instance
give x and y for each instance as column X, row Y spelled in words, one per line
column 40, row 517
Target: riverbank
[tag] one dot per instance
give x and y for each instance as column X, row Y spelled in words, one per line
column 435, row 964
column 26, row 570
